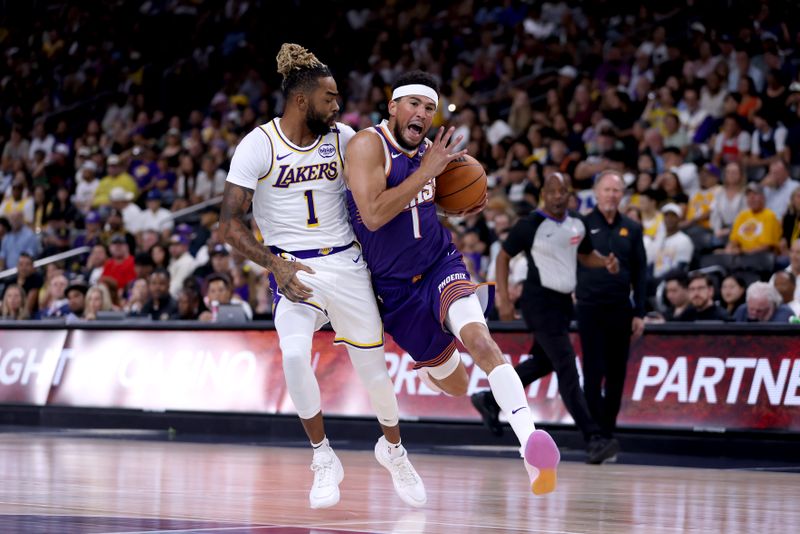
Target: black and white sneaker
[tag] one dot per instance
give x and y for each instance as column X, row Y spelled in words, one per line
column 487, row 407
column 602, row 450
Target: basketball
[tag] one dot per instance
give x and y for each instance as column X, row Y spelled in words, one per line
column 461, row 186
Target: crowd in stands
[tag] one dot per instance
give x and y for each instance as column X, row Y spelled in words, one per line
column 118, row 127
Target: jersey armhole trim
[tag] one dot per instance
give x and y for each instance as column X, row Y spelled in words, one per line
column 387, row 159
column 272, row 149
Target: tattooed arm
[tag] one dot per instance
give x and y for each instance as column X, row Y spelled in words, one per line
column 234, row 230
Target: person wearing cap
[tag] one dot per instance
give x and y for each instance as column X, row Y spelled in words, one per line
column 219, row 262
column 698, row 212
column 675, row 251
column 117, row 177
column 86, row 186
column 144, row 168
column 59, row 170
column 120, row 265
column 115, row 224
column 121, row 200
column 155, row 216
column 755, row 229
column 181, row 265
column 427, row 298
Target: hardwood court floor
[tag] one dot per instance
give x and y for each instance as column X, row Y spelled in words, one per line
column 68, row 484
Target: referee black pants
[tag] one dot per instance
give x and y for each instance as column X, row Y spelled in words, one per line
column 605, row 333
column 548, row 317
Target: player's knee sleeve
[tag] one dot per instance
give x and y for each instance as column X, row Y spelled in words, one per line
column 462, row 312
column 440, row 372
column 300, row 380
column 371, row 368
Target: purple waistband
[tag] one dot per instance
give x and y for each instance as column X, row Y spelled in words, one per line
column 312, row 253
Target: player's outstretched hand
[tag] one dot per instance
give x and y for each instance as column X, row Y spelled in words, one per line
column 285, row 273
column 441, row 152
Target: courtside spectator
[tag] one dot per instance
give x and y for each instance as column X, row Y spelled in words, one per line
column 786, row 284
column 701, row 297
column 763, row 305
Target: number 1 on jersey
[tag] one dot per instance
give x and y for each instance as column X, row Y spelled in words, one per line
column 415, row 223
column 312, row 220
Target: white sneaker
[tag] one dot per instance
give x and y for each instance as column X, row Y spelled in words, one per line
column 407, row 482
column 328, row 474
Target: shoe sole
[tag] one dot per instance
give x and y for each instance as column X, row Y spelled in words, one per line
column 333, row 500
column 542, row 453
column 408, row 501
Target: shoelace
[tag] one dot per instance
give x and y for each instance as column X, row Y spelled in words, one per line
column 323, row 471
column 405, row 471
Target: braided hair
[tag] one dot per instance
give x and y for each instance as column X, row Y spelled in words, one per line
column 300, row 68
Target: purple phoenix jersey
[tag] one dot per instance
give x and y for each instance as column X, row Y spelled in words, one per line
column 410, row 243
column 416, row 270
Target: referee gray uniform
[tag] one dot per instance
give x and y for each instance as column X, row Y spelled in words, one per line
column 552, row 247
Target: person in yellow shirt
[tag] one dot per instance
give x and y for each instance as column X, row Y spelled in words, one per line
column 117, row 177
column 699, row 210
column 756, row 229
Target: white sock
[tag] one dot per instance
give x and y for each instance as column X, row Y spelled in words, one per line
column 322, row 446
column 395, row 449
column 510, row 396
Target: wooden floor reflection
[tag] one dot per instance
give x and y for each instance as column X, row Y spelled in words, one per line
column 67, row 484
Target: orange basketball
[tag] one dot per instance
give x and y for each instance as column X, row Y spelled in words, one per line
column 461, row 186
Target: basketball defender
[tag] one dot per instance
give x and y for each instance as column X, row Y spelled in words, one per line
column 423, row 287
column 290, row 169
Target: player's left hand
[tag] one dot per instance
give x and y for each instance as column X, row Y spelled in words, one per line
column 285, row 273
column 612, row 263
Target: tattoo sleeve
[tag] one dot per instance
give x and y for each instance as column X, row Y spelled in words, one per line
column 233, row 227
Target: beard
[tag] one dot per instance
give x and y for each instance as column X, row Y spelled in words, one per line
column 316, row 122
column 401, row 141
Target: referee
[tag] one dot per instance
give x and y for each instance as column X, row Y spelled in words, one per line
column 553, row 241
column 607, row 317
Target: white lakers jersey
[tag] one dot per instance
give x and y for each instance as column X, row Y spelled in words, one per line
column 299, row 200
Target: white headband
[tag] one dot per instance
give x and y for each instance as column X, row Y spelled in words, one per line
column 416, row 89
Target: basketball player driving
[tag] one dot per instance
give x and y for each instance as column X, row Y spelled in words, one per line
column 424, row 291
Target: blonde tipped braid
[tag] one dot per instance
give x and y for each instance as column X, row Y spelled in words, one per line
column 295, row 57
